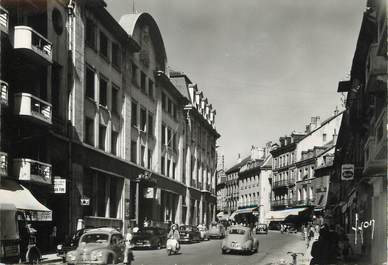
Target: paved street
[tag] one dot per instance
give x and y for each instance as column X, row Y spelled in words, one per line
column 273, row 247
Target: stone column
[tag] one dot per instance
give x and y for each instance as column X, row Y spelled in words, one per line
column 178, row 214
column 201, row 202
column 107, row 196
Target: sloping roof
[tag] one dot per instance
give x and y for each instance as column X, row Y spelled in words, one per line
column 181, row 85
column 238, row 165
column 129, row 22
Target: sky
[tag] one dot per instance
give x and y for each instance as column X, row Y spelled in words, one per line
column 267, row 66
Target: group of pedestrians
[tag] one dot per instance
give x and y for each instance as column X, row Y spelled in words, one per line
column 331, row 247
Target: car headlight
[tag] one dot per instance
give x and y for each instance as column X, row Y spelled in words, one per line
column 59, row 247
column 96, row 255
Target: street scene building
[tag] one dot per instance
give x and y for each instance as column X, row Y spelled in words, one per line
column 120, row 122
column 95, row 127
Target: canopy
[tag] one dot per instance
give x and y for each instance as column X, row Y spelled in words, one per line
column 282, row 214
column 12, row 193
column 242, row 211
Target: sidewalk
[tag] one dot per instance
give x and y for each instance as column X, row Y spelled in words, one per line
column 299, row 246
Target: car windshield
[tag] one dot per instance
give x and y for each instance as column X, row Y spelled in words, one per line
column 95, row 238
column 185, row 228
column 236, row 231
column 146, row 231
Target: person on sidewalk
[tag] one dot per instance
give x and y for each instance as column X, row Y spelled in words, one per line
column 321, row 250
column 128, row 254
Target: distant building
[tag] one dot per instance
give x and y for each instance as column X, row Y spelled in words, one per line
column 294, row 164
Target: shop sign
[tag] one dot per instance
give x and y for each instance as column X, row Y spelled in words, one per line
column 85, row 201
column 59, row 185
column 360, row 227
column 347, row 172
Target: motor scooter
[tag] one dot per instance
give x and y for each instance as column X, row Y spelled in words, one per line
column 172, row 246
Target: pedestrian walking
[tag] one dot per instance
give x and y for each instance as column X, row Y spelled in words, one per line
column 310, row 235
column 128, row 255
column 321, row 250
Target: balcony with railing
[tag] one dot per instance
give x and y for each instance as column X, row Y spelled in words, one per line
column 375, row 70
column 26, row 169
column 32, row 44
column 280, row 184
column 33, row 107
column 3, row 164
column 4, row 20
column 3, row 92
column 375, row 148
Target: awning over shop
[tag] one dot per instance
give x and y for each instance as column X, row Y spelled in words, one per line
column 12, row 193
column 282, row 214
column 242, row 211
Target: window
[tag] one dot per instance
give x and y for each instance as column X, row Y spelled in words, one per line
column 324, row 137
column 168, row 167
column 115, row 99
column 89, row 131
column 169, row 137
column 163, row 165
column 174, row 145
column 142, row 155
column 134, row 114
column 103, row 45
column 173, row 170
column 163, row 134
column 169, row 104
column 149, row 161
column 101, row 137
column 116, row 56
column 89, row 83
column 133, row 151
column 150, row 124
column 143, row 119
column 114, row 141
column 134, row 74
column 150, row 88
column 90, row 34
column 163, row 101
column 143, row 82
column 174, row 112
column 103, row 91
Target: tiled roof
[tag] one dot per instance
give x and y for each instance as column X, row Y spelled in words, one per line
column 238, row 165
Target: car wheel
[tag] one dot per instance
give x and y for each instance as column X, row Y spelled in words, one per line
column 223, row 251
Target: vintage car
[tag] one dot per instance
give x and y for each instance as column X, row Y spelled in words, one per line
column 98, row 246
column 204, row 232
column 239, row 239
column 216, row 230
column 261, row 229
column 189, row 234
column 150, row 237
column 70, row 243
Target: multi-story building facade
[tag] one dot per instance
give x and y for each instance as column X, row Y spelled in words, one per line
column 360, row 197
column 294, row 164
column 199, row 152
column 221, row 191
column 232, row 185
column 93, row 125
column 254, row 184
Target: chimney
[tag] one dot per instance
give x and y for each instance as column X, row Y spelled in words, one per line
column 239, row 158
column 257, row 153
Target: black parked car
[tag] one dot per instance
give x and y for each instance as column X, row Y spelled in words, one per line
column 189, row 234
column 70, row 243
column 150, row 237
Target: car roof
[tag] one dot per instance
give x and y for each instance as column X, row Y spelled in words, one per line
column 239, row 227
column 108, row 230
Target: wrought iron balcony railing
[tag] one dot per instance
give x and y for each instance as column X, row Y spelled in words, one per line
column 31, row 170
column 34, row 107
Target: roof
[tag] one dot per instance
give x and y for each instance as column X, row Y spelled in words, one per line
column 103, row 230
column 129, row 23
column 237, row 166
column 181, row 83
